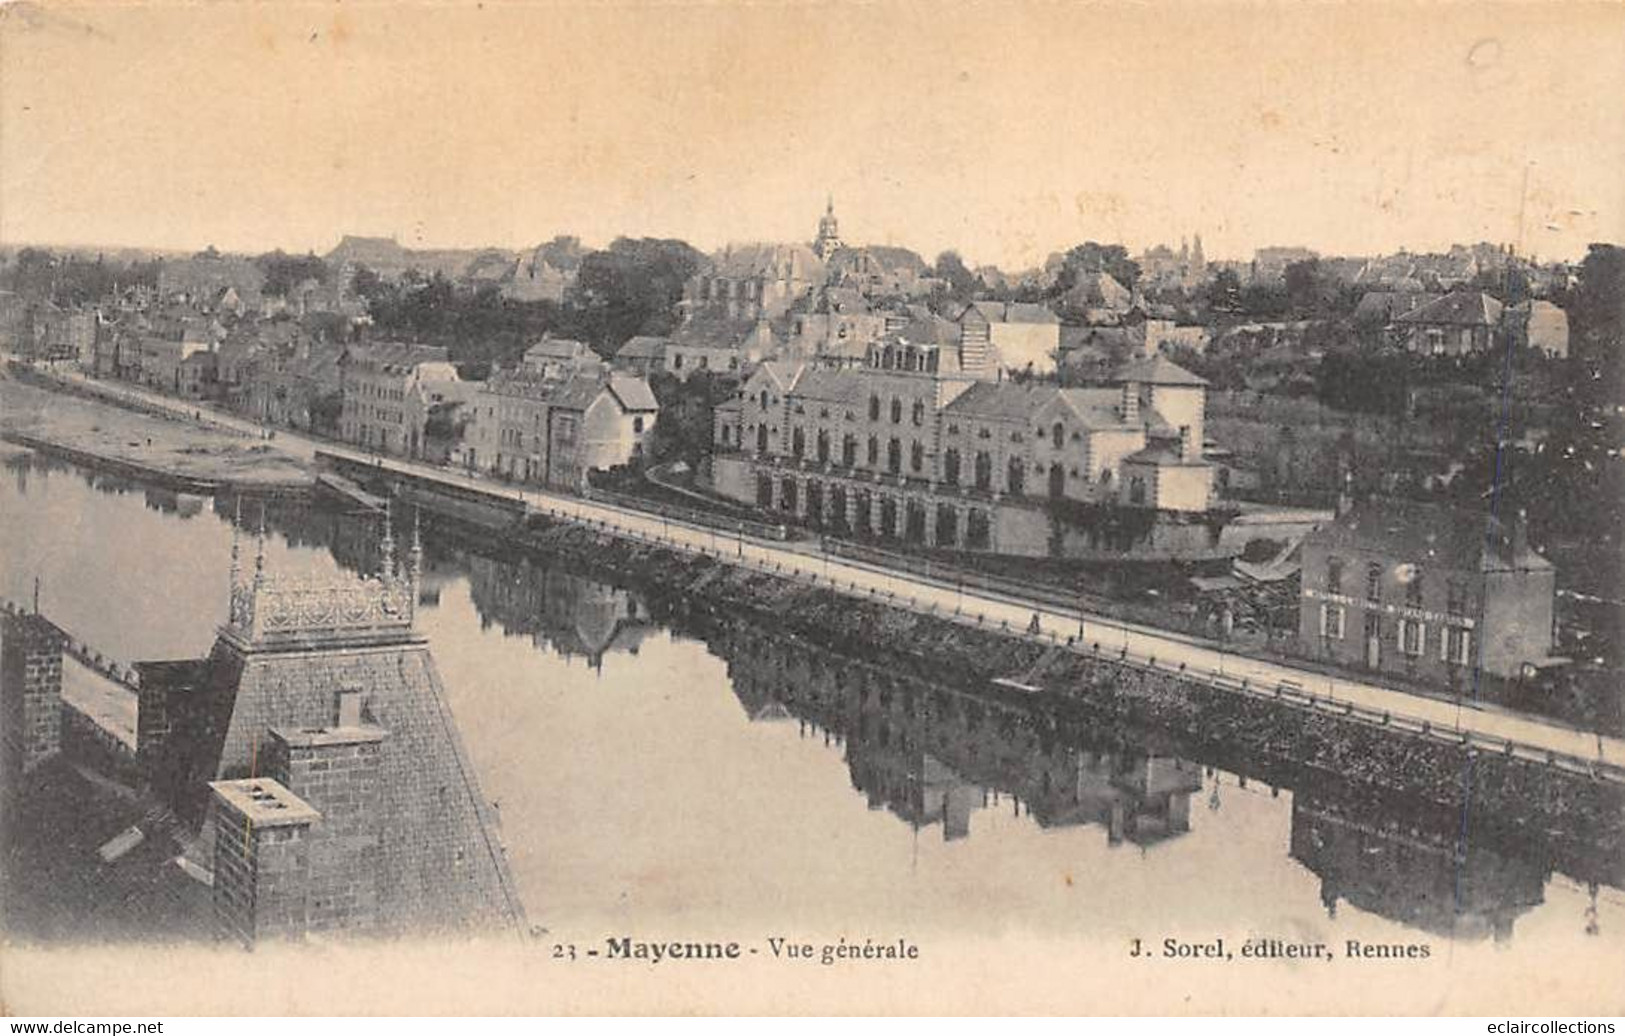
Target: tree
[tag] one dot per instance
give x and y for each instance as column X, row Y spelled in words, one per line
column 634, row 286
column 285, row 272
column 962, row 283
column 1224, row 292
column 1598, row 324
column 1093, row 257
column 1303, row 285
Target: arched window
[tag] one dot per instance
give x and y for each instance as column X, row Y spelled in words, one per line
column 1057, row 435
column 896, row 410
column 761, row 438
column 874, row 451
column 1057, row 481
column 874, row 408
column 984, row 470
column 1016, row 477
column 798, row 442
column 1136, row 490
column 919, row 413
column 764, row 399
column 823, row 446
column 849, row 450
column 950, row 467
column 1105, row 477
column 916, row 457
column 894, row 456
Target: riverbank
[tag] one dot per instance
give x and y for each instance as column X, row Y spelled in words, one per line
column 767, row 549
column 1568, row 803
column 1566, row 807
column 192, row 458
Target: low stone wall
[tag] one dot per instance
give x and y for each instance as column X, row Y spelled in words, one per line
column 1562, row 801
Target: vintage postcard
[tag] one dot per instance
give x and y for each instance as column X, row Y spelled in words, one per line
column 812, row 508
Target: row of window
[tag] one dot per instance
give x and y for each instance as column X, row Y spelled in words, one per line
column 1015, row 473
column 373, row 413
column 1410, row 635
column 705, row 363
column 1411, row 576
column 828, row 507
column 370, row 390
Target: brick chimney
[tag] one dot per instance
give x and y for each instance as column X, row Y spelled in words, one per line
column 336, row 771
column 1129, row 408
column 30, row 690
column 261, row 861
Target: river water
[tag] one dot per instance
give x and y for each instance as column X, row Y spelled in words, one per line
column 651, row 781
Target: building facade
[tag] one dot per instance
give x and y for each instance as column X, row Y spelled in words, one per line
column 1458, row 324
column 1420, row 590
column 553, row 429
column 912, row 448
column 389, row 389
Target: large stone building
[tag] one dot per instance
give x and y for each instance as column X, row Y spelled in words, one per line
column 772, row 280
column 911, row 447
column 552, row 428
column 757, row 280
column 390, row 389
column 1424, row 591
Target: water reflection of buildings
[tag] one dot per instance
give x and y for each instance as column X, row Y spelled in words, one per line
column 169, row 501
column 933, row 754
column 577, row 616
column 1419, row 876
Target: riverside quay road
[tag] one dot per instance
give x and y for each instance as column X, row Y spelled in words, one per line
column 1495, row 727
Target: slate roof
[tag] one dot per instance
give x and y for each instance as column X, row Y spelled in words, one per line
column 932, row 330
column 400, row 354
column 713, row 332
column 1424, row 532
column 1384, row 306
column 642, row 347
column 1014, row 312
column 1000, row 401
column 577, row 392
column 768, row 260
column 58, row 889
column 1156, row 370
column 634, row 393
column 1466, row 308
column 440, row 864
column 556, row 349
column 832, row 386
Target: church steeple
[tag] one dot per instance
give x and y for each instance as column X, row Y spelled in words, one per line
column 828, row 241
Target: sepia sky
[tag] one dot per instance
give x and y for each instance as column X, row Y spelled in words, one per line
column 1006, row 130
